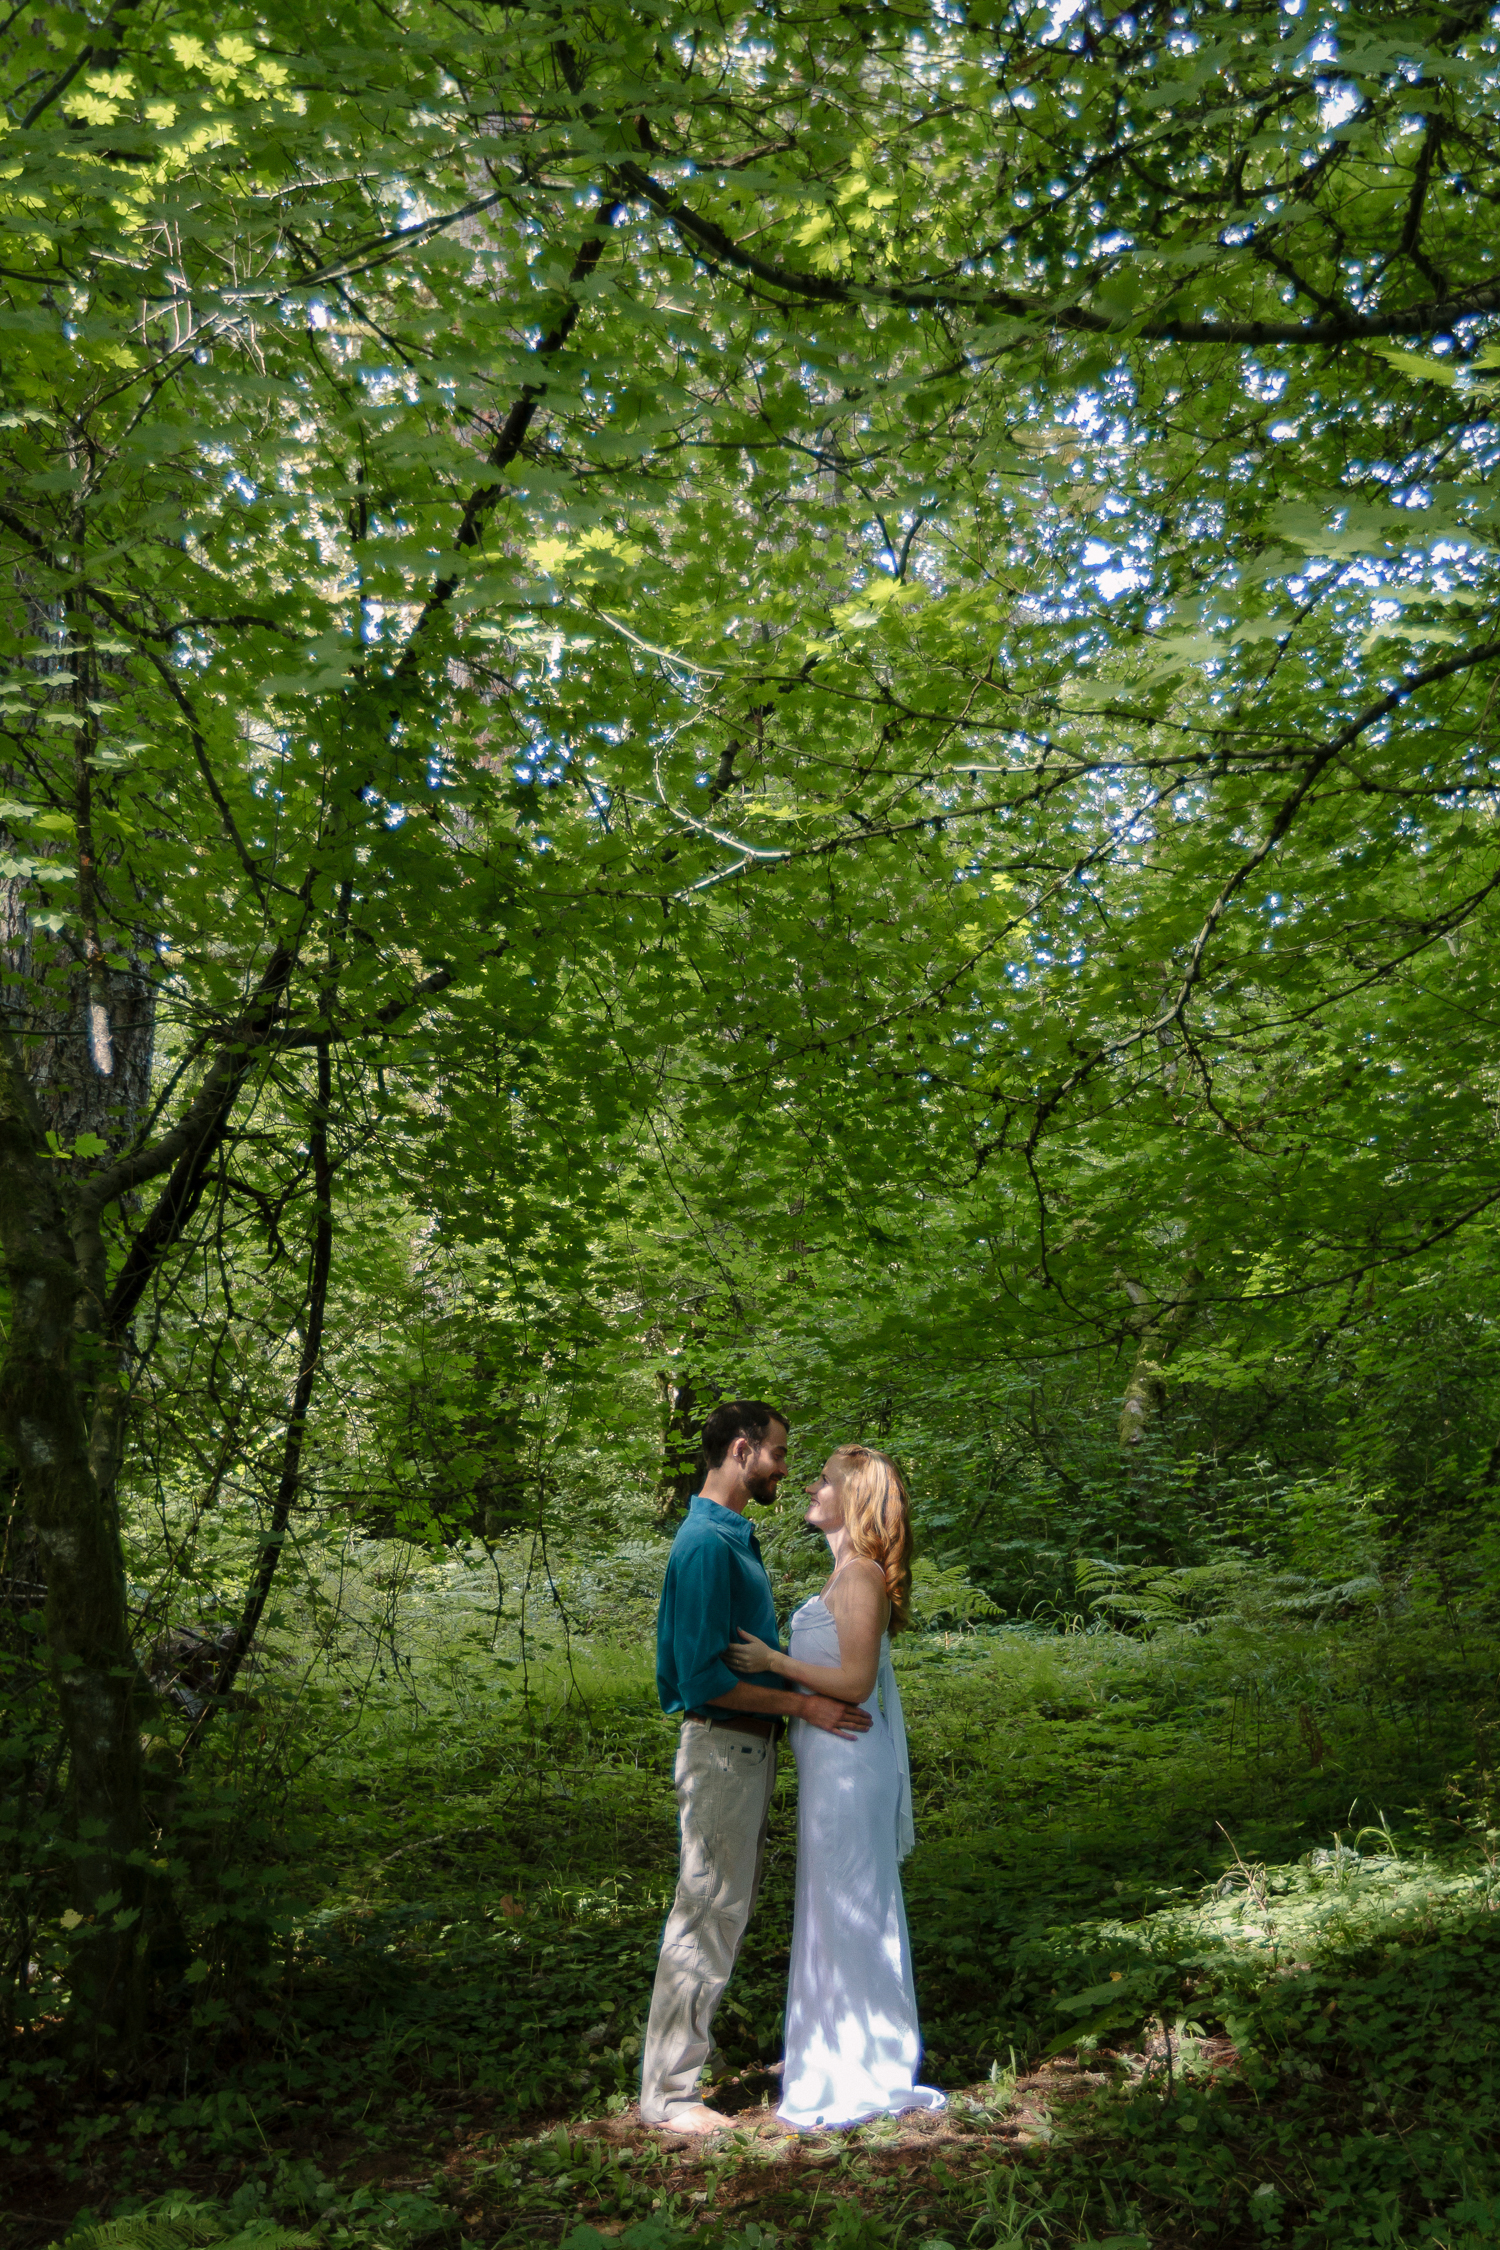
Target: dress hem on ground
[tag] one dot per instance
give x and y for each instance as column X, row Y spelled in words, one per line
column 918, row 2097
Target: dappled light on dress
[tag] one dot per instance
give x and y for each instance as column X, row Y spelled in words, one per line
column 852, row 2044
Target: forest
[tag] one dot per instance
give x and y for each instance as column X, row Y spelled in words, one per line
column 790, row 699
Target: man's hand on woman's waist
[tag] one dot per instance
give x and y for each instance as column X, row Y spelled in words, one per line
column 823, row 1711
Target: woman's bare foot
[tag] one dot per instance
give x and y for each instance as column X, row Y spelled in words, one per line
column 699, row 2119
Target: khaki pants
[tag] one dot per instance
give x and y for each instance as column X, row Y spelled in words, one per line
column 724, row 1782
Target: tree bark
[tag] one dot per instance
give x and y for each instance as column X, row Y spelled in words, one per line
column 93, row 1665
column 1158, row 1333
column 689, row 1402
column 63, row 1411
column 88, row 1027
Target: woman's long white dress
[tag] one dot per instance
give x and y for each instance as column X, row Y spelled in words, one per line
column 852, row 2045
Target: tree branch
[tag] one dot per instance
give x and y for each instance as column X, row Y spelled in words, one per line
column 512, row 433
column 101, row 52
column 1345, row 327
column 1286, row 814
column 184, row 704
column 186, row 1151
column 290, row 1480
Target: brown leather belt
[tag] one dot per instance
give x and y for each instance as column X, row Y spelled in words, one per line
column 739, row 1722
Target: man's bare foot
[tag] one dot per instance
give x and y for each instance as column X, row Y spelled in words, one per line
column 699, row 2119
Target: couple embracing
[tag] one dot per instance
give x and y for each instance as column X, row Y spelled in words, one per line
column 851, row 2019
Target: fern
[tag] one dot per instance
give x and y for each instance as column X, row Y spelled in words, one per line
column 1151, row 1598
column 937, row 1592
column 1147, row 1598
column 174, row 2225
column 259, row 2236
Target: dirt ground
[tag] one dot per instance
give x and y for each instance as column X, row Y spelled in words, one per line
column 492, row 2174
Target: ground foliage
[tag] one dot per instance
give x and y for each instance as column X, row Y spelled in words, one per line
column 1204, row 1926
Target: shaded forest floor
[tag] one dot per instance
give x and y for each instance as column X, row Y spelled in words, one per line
column 1206, row 1946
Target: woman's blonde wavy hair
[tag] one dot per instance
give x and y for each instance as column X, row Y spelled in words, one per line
column 877, row 1517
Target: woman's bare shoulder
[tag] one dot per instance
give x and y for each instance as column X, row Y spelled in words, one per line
column 860, row 1576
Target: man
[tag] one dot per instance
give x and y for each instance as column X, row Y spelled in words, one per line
column 726, row 1760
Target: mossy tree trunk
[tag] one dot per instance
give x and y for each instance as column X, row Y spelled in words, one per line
column 44, row 1426
column 64, row 1407
column 1159, row 1325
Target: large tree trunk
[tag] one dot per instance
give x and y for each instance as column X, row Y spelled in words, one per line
column 63, row 1406
column 88, row 1027
column 64, row 1048
column 93, row 1665
column 85, row 1032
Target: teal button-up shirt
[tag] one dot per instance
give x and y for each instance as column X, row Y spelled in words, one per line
column 716, row 1582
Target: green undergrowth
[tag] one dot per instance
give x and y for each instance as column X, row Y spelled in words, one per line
column 1204, row 1926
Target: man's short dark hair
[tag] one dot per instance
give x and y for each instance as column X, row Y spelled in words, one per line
column 737, row 1417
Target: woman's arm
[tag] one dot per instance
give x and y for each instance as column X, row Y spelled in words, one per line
column 860, row 1617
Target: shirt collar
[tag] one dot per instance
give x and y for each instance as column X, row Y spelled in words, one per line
column 726, row 1521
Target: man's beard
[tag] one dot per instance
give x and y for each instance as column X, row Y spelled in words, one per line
column 762, row 1487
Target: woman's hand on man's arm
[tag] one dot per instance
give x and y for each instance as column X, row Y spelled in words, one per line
column 750, row 1655
column 860, row 1622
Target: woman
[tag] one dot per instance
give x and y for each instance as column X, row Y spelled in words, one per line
column 852, row 2045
